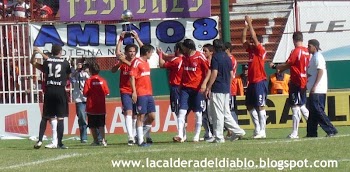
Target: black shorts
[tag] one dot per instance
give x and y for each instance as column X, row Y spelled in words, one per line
column 96, row 121
column 55, row 102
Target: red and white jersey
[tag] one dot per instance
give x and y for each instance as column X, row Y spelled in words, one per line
column 142, row 72
column 256, row 70
column 195, row 68
column 20, row 10
column 175, row 70
column 299, row 60
column 96, row 90
column 234, row 81
column 124, row 82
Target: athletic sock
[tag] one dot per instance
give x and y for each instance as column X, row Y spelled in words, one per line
column 181, row 122
column 140, row 135
column 134, row 127
column 42, row 128
column 262, row 121
column 54, row 131
column 147, row 130
column 198, row 125
column 129, row 128
column 255, row 119
column 305, row 112
column 60, row 129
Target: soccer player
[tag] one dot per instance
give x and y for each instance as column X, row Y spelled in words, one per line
column 57, row 71
column 96, row 90
column 195, row 67
column 123, row 64
column 175, row 70
column 297, row 63
column 142, row 92
column 257, row 89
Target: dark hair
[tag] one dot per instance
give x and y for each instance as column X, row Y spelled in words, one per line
column 297, row 36
column 228, row 46
column 218, row 45
column 189, row 43
column 146, row 48
column 94, row 68
column 179, row 46
column 56, row 49
column 127, row 47
column 209, row 46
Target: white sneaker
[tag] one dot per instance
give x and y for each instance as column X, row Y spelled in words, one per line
column 237, row 137
column 51, row 146
column 259, row 136
column 195, row 139
column 104, row 143
column 291, row 136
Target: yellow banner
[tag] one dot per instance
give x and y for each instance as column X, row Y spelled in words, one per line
column 279, row 114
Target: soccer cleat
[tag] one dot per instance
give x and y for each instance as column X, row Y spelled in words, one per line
column 196, row 140
column 38, row 145
column 331, row 135
column 130, row 143
column 291, row 136
column 104, row 143
column 259, row 136
column 149, row 140
column 236, row 137
column 210, row 139
column 62, row 147
column 144, row 144
column 178, row 139
column 83, row 141
column 51, row 146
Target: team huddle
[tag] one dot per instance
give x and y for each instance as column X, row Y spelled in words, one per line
column 202, row 82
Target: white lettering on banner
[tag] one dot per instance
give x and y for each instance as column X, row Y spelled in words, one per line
column 168, row 120
column 115, row 124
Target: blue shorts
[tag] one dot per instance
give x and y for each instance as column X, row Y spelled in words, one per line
column 145, row 104
column 256, row 94
column 297, row 95
column 174, row 98
column 191, row 99
column 127, row 103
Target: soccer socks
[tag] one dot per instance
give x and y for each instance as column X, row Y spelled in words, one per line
column 129, row 127
column 255, row 118
column 140, row 135
column 54, row 131
column 147, row 130
column 60, row 129
column 181, row 122
column 305, row 112
column 198, row 126
column 262, row 120
column 42, row 128
column 296, row 120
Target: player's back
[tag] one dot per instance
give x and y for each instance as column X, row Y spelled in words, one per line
column 56, row 71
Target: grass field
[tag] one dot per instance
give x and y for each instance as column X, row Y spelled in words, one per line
column 19, row 155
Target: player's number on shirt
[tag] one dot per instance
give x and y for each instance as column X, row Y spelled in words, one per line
column 55, row 72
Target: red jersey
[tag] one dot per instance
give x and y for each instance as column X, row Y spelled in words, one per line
column 256, row 70
column 141, row 71
column 96, row 90
column 124, row 83
column 175, row 70
column 195, row 68
column 298, row 61
column 234, row 81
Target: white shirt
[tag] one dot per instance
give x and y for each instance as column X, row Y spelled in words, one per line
column 317, row 62
column 78, row 80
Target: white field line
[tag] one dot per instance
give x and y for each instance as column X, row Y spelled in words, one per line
column 60, row 157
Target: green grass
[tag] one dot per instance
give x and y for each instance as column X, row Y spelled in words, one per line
column 19, row 155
